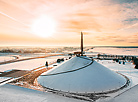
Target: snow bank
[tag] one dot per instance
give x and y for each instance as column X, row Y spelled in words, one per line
column 10, row 93
column 93, row 78
column 128, row 96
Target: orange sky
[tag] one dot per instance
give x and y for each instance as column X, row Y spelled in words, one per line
column 103, row 22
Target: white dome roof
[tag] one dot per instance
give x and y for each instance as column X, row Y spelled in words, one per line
column 80, row 74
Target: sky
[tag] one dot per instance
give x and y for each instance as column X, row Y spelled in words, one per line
column 60, row 22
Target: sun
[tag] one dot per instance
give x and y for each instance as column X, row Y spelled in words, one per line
column 43, row 26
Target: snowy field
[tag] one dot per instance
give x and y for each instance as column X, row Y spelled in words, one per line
column 6, row 58
column 28, row 64
column 11, row 56
column 116, row 51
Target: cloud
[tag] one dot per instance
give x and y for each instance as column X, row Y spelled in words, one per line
column 107, row 21
column 124, row 1
column 119, row 40
column 107, row 38
column 131, row 20
column 13, row 18
column 82, row 25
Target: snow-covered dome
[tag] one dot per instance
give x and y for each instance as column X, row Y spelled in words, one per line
column 81, row 74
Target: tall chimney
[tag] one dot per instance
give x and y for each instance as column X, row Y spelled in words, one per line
column 81, row 44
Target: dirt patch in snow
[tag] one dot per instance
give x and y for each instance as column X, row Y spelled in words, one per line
column 29, row 80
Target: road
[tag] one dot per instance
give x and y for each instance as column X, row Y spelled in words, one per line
column 20, row 74
column 17, row 60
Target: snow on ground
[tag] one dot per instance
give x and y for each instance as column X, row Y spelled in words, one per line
column 6, row 58
column 28, row 64
column 128, row 96
column 4, row 78
column 116, row 51
column 11, row 93
column 127, row 69
column 93, row 78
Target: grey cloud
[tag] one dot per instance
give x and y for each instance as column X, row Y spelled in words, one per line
column 124, row 1
column 130, row 20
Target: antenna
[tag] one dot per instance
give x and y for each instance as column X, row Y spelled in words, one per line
column 81, row 44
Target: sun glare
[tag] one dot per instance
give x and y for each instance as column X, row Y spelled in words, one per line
column 44, row 26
